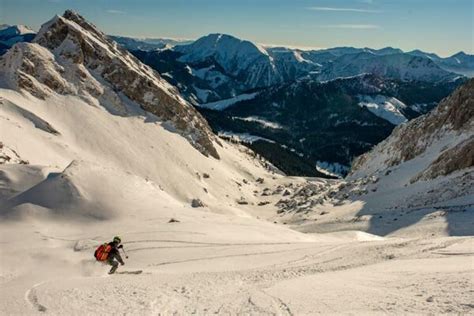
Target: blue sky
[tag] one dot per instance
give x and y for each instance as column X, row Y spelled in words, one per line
column 441, row 26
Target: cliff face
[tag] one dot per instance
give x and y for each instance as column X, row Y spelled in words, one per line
column 71, row 56
column 444, row 137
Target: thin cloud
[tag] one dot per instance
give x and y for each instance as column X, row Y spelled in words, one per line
column 334, row 9
column 352, row 26
column 112, row 11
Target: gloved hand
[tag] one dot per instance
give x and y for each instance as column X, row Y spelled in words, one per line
column 122, row 263
column 120, row 246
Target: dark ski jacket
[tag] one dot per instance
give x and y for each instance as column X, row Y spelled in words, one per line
column 115, row 253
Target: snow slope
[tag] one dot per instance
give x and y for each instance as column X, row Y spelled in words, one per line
column 387, row 108
column 84, row 186
column 448, row 125
column 419, row 181
column 77, row 168
column 71, row 56
column 223, row 104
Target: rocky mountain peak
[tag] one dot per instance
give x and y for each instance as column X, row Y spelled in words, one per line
column 75, row 57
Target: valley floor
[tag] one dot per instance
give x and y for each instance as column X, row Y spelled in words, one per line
column 219, row 264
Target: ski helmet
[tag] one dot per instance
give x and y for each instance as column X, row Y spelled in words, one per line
column 117, row 239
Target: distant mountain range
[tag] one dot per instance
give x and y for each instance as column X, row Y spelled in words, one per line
column 219, row 66
column 148, row 44
column 298, row 108
column 11, row 34
column 326, row 123
column 304, row 108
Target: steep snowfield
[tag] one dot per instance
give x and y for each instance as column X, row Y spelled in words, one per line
column 384, row 107
column 70, row 55
column 128, row 146
column 101, row 175
column 81, row 162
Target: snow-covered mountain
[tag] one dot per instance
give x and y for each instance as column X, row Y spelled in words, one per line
column 88, row 132
column 329, row 123
column 220, row 66
column 238, row 58
column 460, row 63
column 439, row 136
column 430, row 160
column 147, row 44
column 340, row 51
column 11, row 34
column 10, row 31
column 70, row 56
column 242, row 79
column 396, row 66
column 418, row 180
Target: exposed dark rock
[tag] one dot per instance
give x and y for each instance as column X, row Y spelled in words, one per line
column 197, row 203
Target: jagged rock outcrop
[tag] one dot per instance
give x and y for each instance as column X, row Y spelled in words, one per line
column 444, row 137
column 71, row 56
column 459, row 157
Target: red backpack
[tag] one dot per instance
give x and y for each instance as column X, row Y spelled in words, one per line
column 102, row 252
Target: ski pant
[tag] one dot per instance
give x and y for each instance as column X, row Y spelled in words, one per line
column 114, row 262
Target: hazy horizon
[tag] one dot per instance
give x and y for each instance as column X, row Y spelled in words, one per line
column 441, row 27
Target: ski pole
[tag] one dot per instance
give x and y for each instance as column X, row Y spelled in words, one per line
column 125, row 253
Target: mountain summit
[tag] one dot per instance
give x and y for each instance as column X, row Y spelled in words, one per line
column 239, row 58
column 71, row 56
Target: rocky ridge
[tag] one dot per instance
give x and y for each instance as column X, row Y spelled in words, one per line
column 444, row 135
column 71, row 56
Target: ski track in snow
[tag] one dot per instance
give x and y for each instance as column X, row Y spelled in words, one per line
column 248, row 290
column 227, row 256
column 32, row 298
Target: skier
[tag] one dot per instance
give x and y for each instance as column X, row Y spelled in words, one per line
column 110, row 253
column 114, row 255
